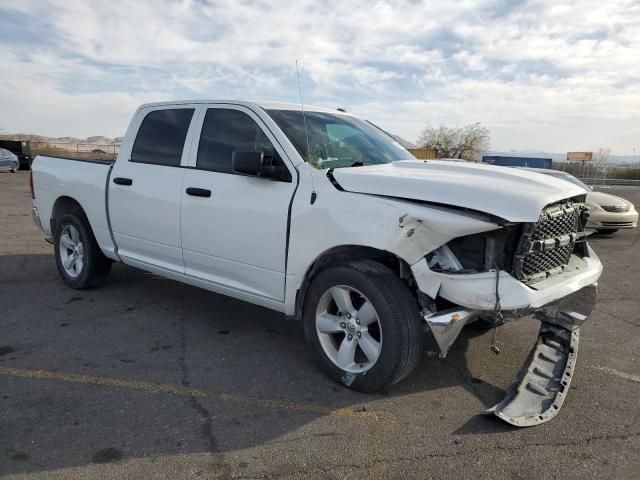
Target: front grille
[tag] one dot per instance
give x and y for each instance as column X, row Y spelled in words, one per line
column 545, row 247
column 548, row 261
column 555, row 221
column 615, row 208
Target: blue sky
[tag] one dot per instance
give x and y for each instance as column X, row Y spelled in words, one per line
column 540, row 74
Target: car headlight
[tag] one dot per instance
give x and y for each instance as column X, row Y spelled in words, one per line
column 620, row 208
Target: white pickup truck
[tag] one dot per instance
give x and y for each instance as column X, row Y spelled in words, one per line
column 325, row 217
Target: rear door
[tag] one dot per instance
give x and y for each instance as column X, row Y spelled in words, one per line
column 235, row 236
column 146, row 185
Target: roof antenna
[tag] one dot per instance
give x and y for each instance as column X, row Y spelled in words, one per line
column 304, row 117
column 306, row 134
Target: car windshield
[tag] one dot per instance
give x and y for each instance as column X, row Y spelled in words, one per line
column 337, row 140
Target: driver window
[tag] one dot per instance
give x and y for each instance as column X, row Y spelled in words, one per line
column 224, row 131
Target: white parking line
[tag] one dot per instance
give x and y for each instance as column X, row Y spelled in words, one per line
column 618, row 373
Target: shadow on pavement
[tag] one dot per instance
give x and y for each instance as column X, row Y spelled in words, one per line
column 144, row 330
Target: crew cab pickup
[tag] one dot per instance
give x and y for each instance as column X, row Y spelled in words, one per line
column 324, row 217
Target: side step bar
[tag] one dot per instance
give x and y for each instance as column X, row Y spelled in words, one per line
column 542, row 383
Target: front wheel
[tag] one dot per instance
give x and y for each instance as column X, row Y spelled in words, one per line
column 79, row 260
column 363, row 325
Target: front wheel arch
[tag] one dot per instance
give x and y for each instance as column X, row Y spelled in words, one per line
column 345, row 254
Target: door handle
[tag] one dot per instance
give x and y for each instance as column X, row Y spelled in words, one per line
column 122, row 181
column 198, row 192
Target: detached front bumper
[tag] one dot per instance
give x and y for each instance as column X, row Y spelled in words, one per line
column 542, row 383
column 562, row 303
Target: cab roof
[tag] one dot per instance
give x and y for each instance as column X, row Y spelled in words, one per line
column 266, row 105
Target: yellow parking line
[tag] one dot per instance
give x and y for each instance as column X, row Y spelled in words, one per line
column 193, row 392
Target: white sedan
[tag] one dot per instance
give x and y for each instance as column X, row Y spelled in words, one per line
column 607, row 213
column 8, row 161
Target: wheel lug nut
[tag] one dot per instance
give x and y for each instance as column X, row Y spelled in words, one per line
column 349, row 316
column 359, row 334
column 357, row 321
column 343, row 325
column 350, row 337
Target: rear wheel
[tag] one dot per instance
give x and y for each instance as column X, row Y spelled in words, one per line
column 607, row 231
column 363, row 325
column 79, row 260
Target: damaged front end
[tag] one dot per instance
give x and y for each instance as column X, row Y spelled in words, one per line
column 545, row 270
column 542, row 383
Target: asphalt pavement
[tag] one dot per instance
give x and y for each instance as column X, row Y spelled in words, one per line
column 148, row 378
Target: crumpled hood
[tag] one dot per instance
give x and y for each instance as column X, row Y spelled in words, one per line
column 509, row 193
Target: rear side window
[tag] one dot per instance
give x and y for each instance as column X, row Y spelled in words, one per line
column 161, row 137
column 224, row 131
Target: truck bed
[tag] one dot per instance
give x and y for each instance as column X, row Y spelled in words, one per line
column 82, row 179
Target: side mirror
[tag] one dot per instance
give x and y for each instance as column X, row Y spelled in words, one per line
column 251, row 162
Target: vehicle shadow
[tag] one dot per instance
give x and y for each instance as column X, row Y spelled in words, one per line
column 148, row 366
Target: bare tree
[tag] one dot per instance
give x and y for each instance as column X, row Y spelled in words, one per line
column 601, row 158
column 467, row 142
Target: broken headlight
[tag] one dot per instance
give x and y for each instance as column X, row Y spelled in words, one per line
column 476, row 253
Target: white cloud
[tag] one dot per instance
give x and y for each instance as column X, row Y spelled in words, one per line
column 540, row 74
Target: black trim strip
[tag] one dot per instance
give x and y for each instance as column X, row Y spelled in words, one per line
column 286, row 253
column 106, row 207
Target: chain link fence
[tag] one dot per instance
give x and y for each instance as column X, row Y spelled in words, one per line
column 85, row 151
column 602, row 174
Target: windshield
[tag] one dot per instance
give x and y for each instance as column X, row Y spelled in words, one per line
column 338, row 140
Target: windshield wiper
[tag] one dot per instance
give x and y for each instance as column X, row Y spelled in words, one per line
column 357, row 164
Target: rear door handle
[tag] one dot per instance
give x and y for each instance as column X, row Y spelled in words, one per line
column 122, row 181
column 198, row 192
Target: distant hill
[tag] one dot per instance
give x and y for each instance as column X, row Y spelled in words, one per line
column 94, row 140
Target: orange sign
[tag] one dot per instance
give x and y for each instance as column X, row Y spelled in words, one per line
column 579, row 156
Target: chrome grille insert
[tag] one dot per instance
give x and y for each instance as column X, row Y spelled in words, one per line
column 546, row 247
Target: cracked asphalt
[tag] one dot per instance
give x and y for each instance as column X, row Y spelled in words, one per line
column 148, row 378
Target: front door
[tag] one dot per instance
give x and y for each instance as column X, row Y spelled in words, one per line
column 236, row 236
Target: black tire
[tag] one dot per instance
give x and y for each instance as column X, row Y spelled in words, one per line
column 607, row 231
column 95, row 265
column 398, row 313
